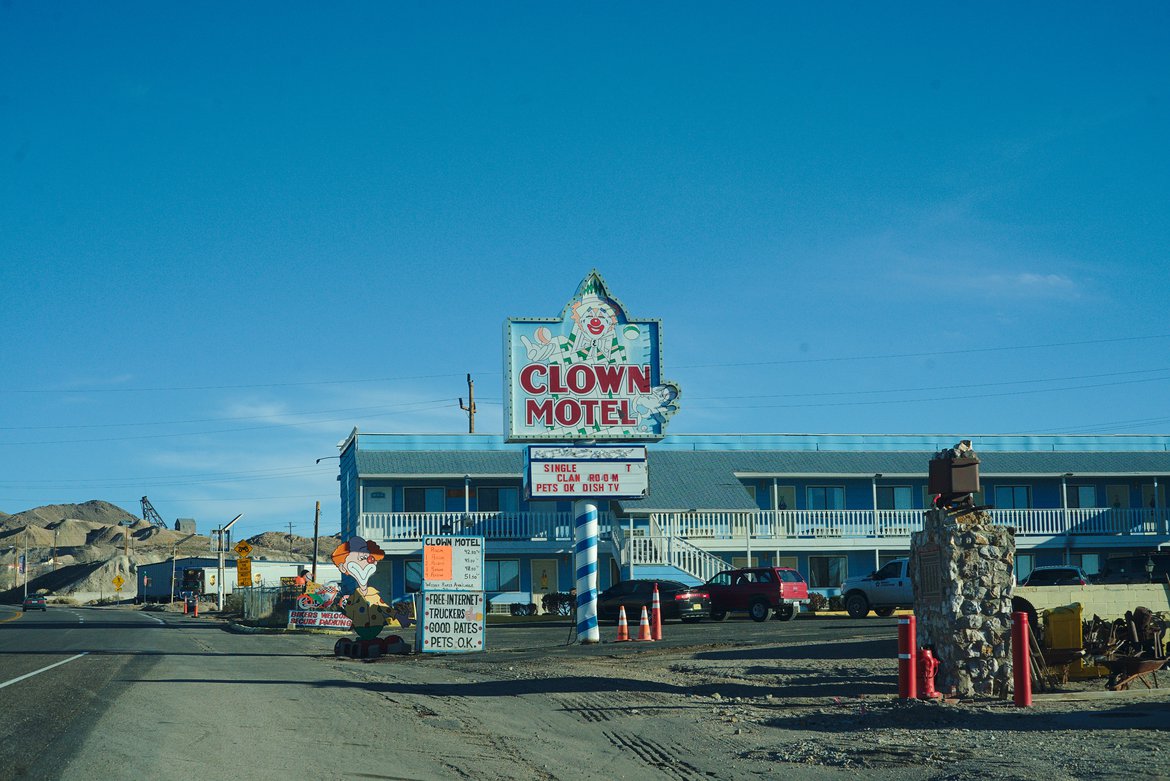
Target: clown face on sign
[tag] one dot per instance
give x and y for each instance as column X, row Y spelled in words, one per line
column 358, row 558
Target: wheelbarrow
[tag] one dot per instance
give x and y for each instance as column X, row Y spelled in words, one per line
column 1124, row 670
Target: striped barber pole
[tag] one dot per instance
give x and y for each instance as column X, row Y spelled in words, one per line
column 585, row 530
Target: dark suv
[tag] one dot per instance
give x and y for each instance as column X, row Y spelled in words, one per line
column 759, row 591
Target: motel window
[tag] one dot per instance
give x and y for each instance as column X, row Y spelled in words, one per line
column 493, row 500
column 1089, row 562
column 895, row 497
column 1025, row 562
column 501, row 575
column 1117, row 496
column 1082, row 496
column 422, row 500
column 827, row 571
column 1013, row 497
column 414, row 576
column 826, row 497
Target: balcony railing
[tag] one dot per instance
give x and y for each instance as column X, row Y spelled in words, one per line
column 494, row 526
column 698, row 527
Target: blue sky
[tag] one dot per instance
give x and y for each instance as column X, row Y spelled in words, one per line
column 232, row 233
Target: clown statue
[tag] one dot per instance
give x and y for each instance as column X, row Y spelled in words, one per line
column 359, row 558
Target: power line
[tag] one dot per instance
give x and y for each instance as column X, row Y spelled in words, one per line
column 377, row 408
column 232, row 387
column 205, row 433
column 925, row 354
column 937, row 387
column 939, row 398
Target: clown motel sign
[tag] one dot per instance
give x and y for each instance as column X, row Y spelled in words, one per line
column 593, row 373
column 603, row 471
column 453, row 563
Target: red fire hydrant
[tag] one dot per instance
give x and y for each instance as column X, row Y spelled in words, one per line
column 927, row 669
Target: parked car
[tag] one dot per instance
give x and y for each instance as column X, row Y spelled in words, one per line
column 1057, row 575
column 758, row 590
column 676, row 600
column 1136, row 568
column 883, row 591
column 34, row 603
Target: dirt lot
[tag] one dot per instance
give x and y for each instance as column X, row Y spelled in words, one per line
column 786, row 708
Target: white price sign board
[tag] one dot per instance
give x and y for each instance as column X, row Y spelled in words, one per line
column 452, row 622
column 608, row 472
column 453, row 563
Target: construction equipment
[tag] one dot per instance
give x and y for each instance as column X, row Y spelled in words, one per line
column 150, row 514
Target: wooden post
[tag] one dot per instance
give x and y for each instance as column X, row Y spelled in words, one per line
column 316, row 525
column 470, row 408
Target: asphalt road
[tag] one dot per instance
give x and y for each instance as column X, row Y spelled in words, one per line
column 108, row 693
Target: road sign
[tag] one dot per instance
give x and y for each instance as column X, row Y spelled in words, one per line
column 243, row 549
column 601, row 471
column 453, row 563
column 451, row 622
column 118, row 581
column 244, row 572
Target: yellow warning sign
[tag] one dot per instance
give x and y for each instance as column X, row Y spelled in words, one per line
column 118, row 581
column 244, row 572
column 243, row 549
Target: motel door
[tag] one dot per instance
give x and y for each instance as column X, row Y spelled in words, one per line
column 544, row 579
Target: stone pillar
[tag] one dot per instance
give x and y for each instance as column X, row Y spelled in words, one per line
column 961, row 567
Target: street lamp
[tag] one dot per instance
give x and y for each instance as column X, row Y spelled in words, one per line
column 221, row 532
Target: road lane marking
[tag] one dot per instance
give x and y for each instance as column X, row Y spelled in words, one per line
column 43, row 669
column 14, row 617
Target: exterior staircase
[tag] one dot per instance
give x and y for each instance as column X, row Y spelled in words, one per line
column 654, row 555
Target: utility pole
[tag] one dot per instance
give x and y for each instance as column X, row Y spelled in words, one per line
column 316, row 540
column 26, row 561
column 290, row 547
column 470, row 408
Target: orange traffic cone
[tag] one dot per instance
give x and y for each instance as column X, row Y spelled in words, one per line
column 656, row 616
column 623, row 634
column 184, row 606
column 644, row 626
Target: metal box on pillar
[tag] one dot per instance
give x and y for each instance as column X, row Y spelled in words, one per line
column 587, row 385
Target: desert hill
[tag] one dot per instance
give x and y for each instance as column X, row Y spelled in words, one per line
column 78, row 548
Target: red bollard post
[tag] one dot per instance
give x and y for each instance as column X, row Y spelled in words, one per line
column 1021, row 661
column 907, row 658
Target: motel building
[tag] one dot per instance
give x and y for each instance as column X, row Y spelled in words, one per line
column 587, row 384
column 829, row 505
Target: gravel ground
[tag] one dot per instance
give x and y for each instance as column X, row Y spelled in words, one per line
column 788, row 709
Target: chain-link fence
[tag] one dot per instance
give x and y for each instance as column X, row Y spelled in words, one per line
column 266, row 604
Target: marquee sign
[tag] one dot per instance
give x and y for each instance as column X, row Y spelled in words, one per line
column 605, row 471
column 593, row 373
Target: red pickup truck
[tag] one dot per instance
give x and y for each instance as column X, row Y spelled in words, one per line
column 757, row 590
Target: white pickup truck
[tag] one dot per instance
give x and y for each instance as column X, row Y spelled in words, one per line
column 883, row 591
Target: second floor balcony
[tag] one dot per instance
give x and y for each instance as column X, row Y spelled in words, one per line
column 894, row 525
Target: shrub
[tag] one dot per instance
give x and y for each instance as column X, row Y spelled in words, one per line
column 560, row 603
column 836, row 603
column 817, row 602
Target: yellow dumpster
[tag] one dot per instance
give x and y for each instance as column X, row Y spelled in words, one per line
column 1063, row 630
